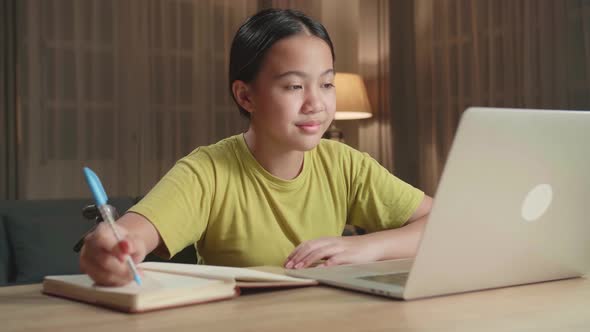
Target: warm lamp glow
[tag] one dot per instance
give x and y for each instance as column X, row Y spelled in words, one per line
column 351, row 97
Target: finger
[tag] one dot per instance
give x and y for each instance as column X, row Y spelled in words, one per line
column 134, row 249
column 304, row 245
column 317, row 245
column 102, row 238
column 295, row 251
column 309, row 247
column 321, row 253
column 304, row 249
column 93, row 259
column 122, row 250
column 124, row 247
column 105, row 261
column 289, row 262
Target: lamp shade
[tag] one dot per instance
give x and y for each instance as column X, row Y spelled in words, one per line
column 351, row 97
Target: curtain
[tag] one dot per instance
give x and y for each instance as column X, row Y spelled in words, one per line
column 8, row 110
column 402, row 61
column 375, row 134
column 126, row 87
column 502, row 53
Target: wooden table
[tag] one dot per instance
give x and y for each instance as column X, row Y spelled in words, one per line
column 552, row 306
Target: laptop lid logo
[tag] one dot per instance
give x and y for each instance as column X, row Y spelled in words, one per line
column 536, row 202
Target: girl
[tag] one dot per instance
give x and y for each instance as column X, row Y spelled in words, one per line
column 277, row 194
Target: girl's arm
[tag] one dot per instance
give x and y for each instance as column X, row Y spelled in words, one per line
column 389, row 244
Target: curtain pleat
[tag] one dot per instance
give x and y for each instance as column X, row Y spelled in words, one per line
column 8, row 101
column 375, row 134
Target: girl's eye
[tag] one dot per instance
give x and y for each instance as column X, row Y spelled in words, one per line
column 294, row 87
column 328, row 85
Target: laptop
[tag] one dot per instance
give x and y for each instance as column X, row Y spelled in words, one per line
column 511, row 208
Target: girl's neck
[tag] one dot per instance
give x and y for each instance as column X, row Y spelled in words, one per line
column 283, row 164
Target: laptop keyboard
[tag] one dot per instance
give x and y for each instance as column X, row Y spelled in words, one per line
column 391, row 278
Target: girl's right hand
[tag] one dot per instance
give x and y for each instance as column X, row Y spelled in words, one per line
column 103, row 258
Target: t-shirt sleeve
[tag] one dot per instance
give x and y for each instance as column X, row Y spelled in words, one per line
column 378, row 199
column 178, row 205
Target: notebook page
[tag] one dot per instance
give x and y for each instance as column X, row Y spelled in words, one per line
column 151, row 281
column 218, row 272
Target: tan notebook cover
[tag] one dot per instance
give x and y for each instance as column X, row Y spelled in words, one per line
column 166, row 285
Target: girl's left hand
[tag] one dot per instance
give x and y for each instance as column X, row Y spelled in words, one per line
column 334, row 251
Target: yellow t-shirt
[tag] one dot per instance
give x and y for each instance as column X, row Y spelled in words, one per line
column 238, row 214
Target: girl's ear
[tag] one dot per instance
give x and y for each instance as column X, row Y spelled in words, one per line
column 242, row 95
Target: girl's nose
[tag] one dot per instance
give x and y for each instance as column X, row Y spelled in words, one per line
column 313, row 102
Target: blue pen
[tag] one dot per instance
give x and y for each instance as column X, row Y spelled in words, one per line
column 100, row 197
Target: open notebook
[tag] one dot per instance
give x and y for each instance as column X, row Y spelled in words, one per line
column 166, row 285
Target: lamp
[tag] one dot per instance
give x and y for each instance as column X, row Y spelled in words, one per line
column 352, row 102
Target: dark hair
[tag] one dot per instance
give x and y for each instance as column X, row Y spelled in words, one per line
column 257, row 35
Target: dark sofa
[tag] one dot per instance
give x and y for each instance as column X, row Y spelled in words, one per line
column 37, row 237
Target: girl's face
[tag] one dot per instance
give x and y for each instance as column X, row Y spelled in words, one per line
column 292, row 98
